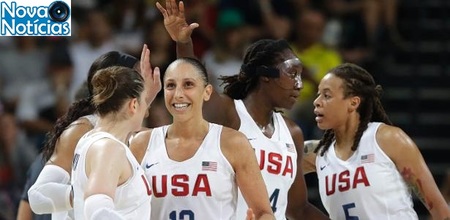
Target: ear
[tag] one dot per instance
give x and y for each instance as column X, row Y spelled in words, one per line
column 264, row 78
column 354, row 103
column 208, row 91
column 132, row 105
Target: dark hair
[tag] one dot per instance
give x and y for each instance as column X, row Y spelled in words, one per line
column 263, row 53
column 83, row 106
column 113, row 86
column 197, row 64
column 357, row 82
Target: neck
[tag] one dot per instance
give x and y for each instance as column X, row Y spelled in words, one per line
column 119, row 129
column 188, row 129
column 261, row 112
column 345, row 135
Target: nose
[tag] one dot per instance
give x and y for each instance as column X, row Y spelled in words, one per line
column 298, row 82
column 178, row 92
column 316, row 102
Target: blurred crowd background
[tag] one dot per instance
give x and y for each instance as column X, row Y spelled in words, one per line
column 401, row 42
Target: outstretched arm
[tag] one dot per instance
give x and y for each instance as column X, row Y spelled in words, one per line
column 219, row 108
column 177, row 27
column 411, row 165
column 51, row 191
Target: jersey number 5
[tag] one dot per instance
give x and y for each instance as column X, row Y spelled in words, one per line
column 346, row 207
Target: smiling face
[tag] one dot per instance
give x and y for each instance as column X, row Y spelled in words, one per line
column 332, row 108
column 185, row 90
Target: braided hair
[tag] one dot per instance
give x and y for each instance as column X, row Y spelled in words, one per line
column 84, row 106
column 357, row 82
column 262, row 53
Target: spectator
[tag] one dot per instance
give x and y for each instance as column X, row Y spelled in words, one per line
column 317, row 60
column 224, row 58
column 41, row 103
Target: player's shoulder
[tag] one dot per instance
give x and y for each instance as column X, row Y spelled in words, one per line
column 393, row 140
column 293, row 127
column 231, row 133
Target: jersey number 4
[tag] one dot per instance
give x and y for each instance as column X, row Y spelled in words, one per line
column 274, row 199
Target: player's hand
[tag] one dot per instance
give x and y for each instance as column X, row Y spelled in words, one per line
column 151, row 77
column 250, row 215
column 175, row 21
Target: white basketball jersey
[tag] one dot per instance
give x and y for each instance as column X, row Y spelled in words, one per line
column 92, row 118
column 277, row 158
column 68, row 215
column 132, row 198
column 201, row 187
column 366, row 186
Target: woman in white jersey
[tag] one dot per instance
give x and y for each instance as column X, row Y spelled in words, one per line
column 195, row 167
column 107, row 181
column 51, row 191
column 269, row 80
column 366, row 167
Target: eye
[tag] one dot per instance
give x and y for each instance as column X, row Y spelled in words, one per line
column 189, row 84
column 170, row 85
column 292, row 73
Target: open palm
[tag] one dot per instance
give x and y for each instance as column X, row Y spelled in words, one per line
column 175, row 21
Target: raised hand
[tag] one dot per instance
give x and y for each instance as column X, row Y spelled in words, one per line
column 175, row 21
column 151, row 77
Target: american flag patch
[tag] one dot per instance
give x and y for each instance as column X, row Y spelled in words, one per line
column 290, row 148
column 209, row 166
column 368, row 158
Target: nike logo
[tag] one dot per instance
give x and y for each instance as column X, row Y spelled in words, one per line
column 251, row 139
column 323, row 167
column 150, row 165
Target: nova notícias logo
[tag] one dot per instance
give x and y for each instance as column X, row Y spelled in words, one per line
column 25, row 18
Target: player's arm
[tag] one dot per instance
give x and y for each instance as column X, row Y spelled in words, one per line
column 409, row 162
column 309, row 157
column 67, row 142
column 52, row 190
column 220, row 108
column 106, row 168
column 139, row 144
column 241, row 156
column 151, row 77
column 177, row 27
column 298, row 205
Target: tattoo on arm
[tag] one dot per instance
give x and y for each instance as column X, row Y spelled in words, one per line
column 309, row 146
column 415, row 185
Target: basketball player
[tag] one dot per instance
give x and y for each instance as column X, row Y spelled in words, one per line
column 107, row 181
column 269, row 79
column 366, row 167
column 196, row 167
column 51, row 193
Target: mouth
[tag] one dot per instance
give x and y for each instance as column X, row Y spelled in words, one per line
column 180, row 106
column 319, row 116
